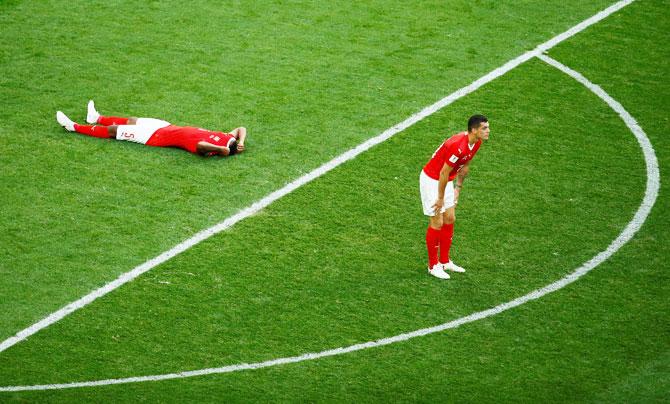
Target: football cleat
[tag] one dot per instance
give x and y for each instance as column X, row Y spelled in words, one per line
column 64, row 121
column 453, row 267
column 92, row 115
column 438, row 272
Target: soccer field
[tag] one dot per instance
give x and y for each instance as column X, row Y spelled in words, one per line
column 313, row 287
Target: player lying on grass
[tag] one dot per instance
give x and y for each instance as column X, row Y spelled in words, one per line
column 156, row 132
column 439, row 194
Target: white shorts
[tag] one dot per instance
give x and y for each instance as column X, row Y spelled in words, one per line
column 428, row 188
column 141, row 131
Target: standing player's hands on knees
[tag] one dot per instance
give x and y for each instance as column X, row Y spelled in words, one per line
column 438, row 205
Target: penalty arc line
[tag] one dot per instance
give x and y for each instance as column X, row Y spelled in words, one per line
column 651, row 194
column 261, row 204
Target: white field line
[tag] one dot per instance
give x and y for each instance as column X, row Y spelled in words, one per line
column 653, row 182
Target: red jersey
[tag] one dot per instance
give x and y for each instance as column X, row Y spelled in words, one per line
column 187, row 138
column 455, row 152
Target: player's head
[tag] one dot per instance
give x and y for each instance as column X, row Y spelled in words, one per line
column 232, row 148
column 479, row 125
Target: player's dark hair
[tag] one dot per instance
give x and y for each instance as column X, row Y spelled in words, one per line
column 232, row 148
column 475, row 121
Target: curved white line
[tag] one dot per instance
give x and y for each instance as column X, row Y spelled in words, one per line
column 651, row 193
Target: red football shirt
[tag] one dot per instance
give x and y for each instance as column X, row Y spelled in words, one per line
column 455, row 152
column 187, row 137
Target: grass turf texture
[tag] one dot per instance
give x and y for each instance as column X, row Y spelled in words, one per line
column 581, row 343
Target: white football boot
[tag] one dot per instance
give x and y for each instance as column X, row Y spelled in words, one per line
column 92, row 115
column 438, row 272
column 64, row 121
column 453, row 267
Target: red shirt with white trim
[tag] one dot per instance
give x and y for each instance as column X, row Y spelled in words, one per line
column 187, row 137
column 454, row 152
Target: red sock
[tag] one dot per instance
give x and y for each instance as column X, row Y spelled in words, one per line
column 432, row 242
column 112, row 120
column 446, row 234
column 90, row 130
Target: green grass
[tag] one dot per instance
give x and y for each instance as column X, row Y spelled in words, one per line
column 341, row 260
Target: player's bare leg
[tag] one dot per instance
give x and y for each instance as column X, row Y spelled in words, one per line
column 111, row 130
column 437, row 221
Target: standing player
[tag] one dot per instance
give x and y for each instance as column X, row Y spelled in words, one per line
column 438, row 196
column 156, row 132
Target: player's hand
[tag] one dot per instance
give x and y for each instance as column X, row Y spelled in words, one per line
column 240, row 147
column 438, row 205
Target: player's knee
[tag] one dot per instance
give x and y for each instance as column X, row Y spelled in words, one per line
column 111, row 130
column 436, row 222
column 449, row 218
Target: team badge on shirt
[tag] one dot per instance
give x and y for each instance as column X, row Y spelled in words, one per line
column 453, row 158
